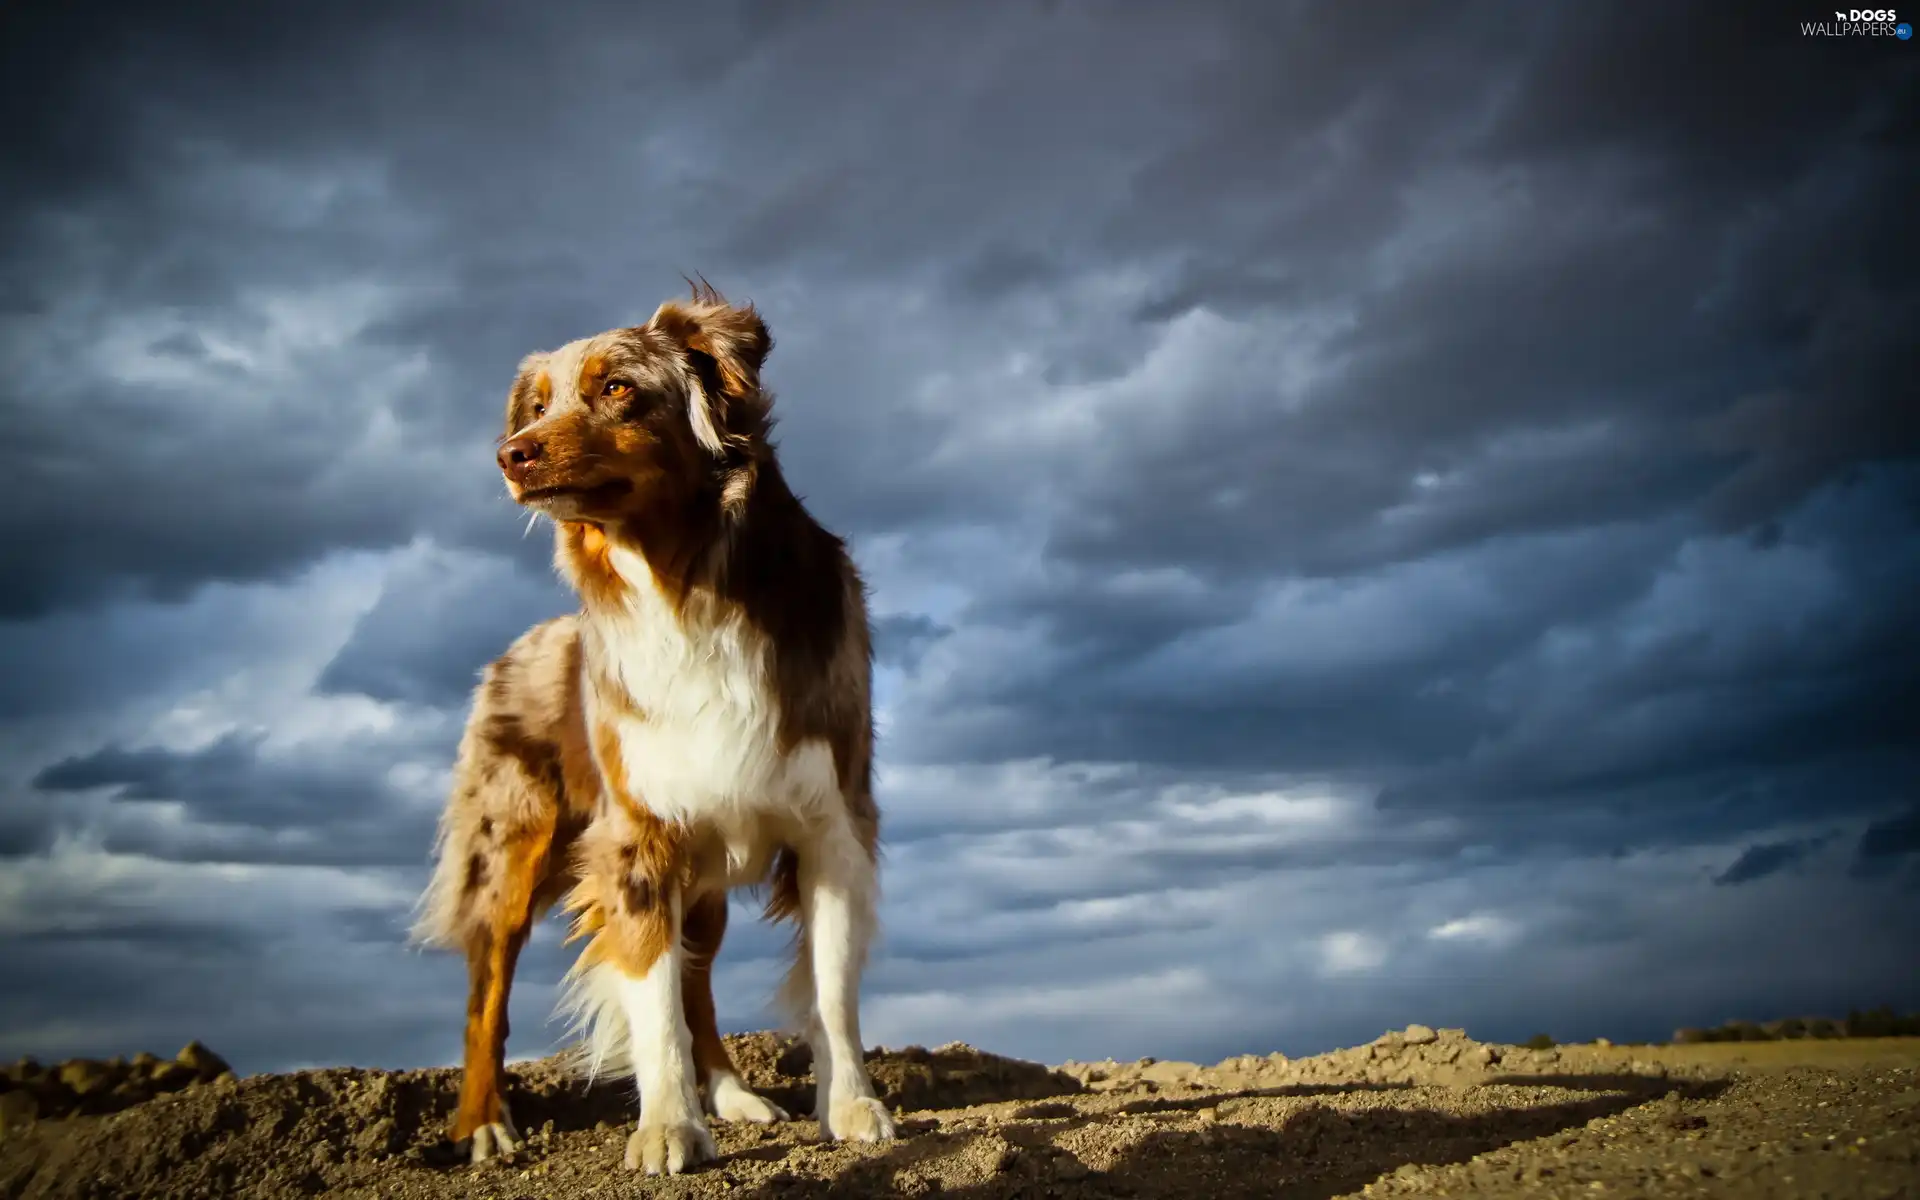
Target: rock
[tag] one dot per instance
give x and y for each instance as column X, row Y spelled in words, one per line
column 1603, row 1043
column 1419, row 1035
column 144, row 1063
column 1457, row 1076
column 172, row 1076
column 1486, row 1056
column 18, row 1109
column 1169, row 1072
column 56, row 1099
column 128, row 1092
column 25, row 1070
column 204, row 1062
column 84, row 1076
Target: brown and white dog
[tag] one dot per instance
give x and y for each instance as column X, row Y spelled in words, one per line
column 702, row 723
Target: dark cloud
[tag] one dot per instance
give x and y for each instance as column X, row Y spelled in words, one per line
column 87, row 981
column 472, row 608
column 246, row 802
column 1767, row 858
column 23, row 832
column 902, row 639
column 1445, row 357
column 220, row 782
column 1315, row 460
column 1627, row 675
column 1888, row 842
column 93, row 661
column 187, row 937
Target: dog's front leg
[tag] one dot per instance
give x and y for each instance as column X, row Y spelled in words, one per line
column 672, row 1135
column 627, row 987
column 838, row 896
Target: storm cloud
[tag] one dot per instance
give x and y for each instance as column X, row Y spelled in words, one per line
column 1373, row 514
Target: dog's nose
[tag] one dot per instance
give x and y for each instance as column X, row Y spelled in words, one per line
column 517, row 456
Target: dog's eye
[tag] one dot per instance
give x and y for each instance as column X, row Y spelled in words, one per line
column 617, row 389
column 539, row 410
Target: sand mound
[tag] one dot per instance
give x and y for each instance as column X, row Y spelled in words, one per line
column 1415, row 1055
column 315, row 1132
column 1416, row 1112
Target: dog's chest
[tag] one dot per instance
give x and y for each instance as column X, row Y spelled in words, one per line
column 698, row 726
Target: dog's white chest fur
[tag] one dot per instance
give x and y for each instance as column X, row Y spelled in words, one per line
column 701, row 743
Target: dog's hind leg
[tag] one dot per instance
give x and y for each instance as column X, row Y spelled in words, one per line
column 500, row 866
column 493, row 949
column 523, row 786
column 834, row 883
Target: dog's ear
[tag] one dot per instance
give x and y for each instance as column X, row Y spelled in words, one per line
column 733, row 337
column 726, row 345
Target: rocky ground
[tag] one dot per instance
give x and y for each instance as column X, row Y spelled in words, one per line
column 1416, row 1113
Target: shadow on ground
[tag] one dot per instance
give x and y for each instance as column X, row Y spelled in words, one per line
column 913, row 1078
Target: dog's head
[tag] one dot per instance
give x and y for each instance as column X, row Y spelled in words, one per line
column 633, row 419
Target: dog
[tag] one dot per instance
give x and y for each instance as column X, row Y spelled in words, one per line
column 702, row 723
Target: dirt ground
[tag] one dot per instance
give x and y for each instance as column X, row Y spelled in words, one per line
column 1416, row 1113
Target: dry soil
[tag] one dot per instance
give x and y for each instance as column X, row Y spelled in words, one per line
column 1416, row 1113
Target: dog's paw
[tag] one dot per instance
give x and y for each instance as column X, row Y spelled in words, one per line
column 859, row 1119
column 733, row 1100
column 494, row 1139
column 668, row 1149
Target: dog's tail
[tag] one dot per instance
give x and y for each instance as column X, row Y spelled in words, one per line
column 794, row 999
column 602, row 1041
column 440, row 920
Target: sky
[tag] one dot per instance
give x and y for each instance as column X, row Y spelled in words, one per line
column 1375, row 513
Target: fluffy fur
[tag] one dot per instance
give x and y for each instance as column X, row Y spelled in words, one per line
column 703, row 723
